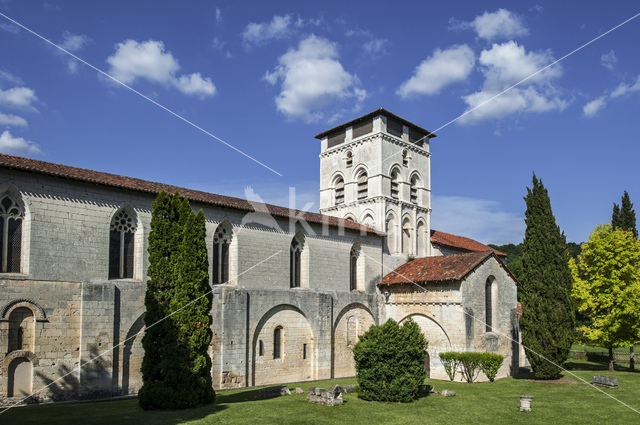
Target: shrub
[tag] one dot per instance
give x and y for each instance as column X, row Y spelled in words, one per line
column 450, row 360
column 491, row 364
column 390, row 362
column 470, row 363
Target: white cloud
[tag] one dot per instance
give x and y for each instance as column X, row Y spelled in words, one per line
column 442, row 68
column 593, row 107
column 313, row 79
column 12, row 120
column 149, row 61
column 376, row 47
column 218, row 16
column 479, row 219
column 17, row 145
column 499, row 24
column 7, row 76
column 609, row 60
column 73, row 43
column 219, row 46
column 195, row 84
column 19, row 98
column 279, row 27
column 623, row 89
column 13, row 29
column 505, row 65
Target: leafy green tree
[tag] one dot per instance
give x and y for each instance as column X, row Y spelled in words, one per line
column 624, row 216
column 548, row 317
column 176, row 368
column 606, row 285
column 390, row 362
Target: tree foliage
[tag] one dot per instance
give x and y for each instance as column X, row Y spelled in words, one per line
column 548, row 319
column 624, row 216
column 606, row 287
column 390, row 362
column 176, row 369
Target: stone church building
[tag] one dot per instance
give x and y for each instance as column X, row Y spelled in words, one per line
column 292, row 290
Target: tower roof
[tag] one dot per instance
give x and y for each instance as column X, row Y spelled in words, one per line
column 380, row 111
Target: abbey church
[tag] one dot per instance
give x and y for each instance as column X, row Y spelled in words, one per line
column 292, row 290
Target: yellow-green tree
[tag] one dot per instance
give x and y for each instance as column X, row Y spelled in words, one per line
column 606, row 286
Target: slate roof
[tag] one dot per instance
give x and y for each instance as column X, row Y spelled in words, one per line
column 460, row 242
column 445, row 268
column 128, row 183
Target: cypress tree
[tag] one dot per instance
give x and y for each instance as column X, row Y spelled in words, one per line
column 176, row 366
column 548, row 319
column 624, row 216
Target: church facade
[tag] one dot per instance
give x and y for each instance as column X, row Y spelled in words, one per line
column 292, row 290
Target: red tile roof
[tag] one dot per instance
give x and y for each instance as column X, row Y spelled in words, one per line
column 460, row 242
column 445, row 268
column 138, row 185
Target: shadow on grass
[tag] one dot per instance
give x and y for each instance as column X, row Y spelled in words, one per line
column 241, row 397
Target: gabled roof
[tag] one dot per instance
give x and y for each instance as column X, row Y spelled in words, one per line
column 379, row 111
column 445, row 268
column 128, row 183
column 460, row 242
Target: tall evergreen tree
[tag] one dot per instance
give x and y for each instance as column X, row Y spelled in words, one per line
column 176, row 369
column 624, row 217
column 548, row 318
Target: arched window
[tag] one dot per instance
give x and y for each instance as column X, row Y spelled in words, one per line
column 121, row 245
column 261, row 348
column 339, row 185
column 221, row 243
column 11, row 216
column 421, row 234
column 294, row 263
column 405, row 158
column 363, row 189
column 21, row 329
column 489, row 302
column 352, row 331
column 353, row 267
column 277, row 342
column 415, row 182
column 395, row 185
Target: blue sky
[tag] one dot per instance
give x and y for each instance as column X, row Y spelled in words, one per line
column 267, row 76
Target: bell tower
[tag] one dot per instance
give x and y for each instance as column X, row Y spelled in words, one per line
column 376, row 170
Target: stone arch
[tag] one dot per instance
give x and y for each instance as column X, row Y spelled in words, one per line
column 421, row 238
column 299, row 261
column 415, row 184
column 21, row 329
column 438, row 339
column 297, row 358
column 132, row 355
column 38, row 311
column 407, row 235
column 338, row 188
column 350, row 216
column 396, row 178
column 20, row 377
column 126, row 244
column 343, row 337
column 361, row 178
column 391, row 229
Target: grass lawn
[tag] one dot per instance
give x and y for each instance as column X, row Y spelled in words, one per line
column 579, row 347
column 478, row 403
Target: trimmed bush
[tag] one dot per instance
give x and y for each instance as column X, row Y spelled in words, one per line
column 470, row 364
column 450, row 360
column 490, row 365
column 390, row 362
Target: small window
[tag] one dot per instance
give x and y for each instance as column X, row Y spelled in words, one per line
column 394, row 127
column 353, row 268
column 261, row 348
column 221, row 243
column 363, row 188
column 304, row 351
column 277, row 342
column 488, row 302
column 122, row 245
column 362, row 128
column 349, row 159
column 339, row 191
column 405, row 158
column 294, row 263
column 11, row 217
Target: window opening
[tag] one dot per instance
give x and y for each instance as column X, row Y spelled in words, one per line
column 395, row 186
column 362, row 185
column 11, row 217
column 339, row 191
column 294, row 260
column 121, row 246
column 221, row 243
column 277, row 342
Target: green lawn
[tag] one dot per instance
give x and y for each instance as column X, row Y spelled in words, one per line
column 579, row 347
column 478, row 403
